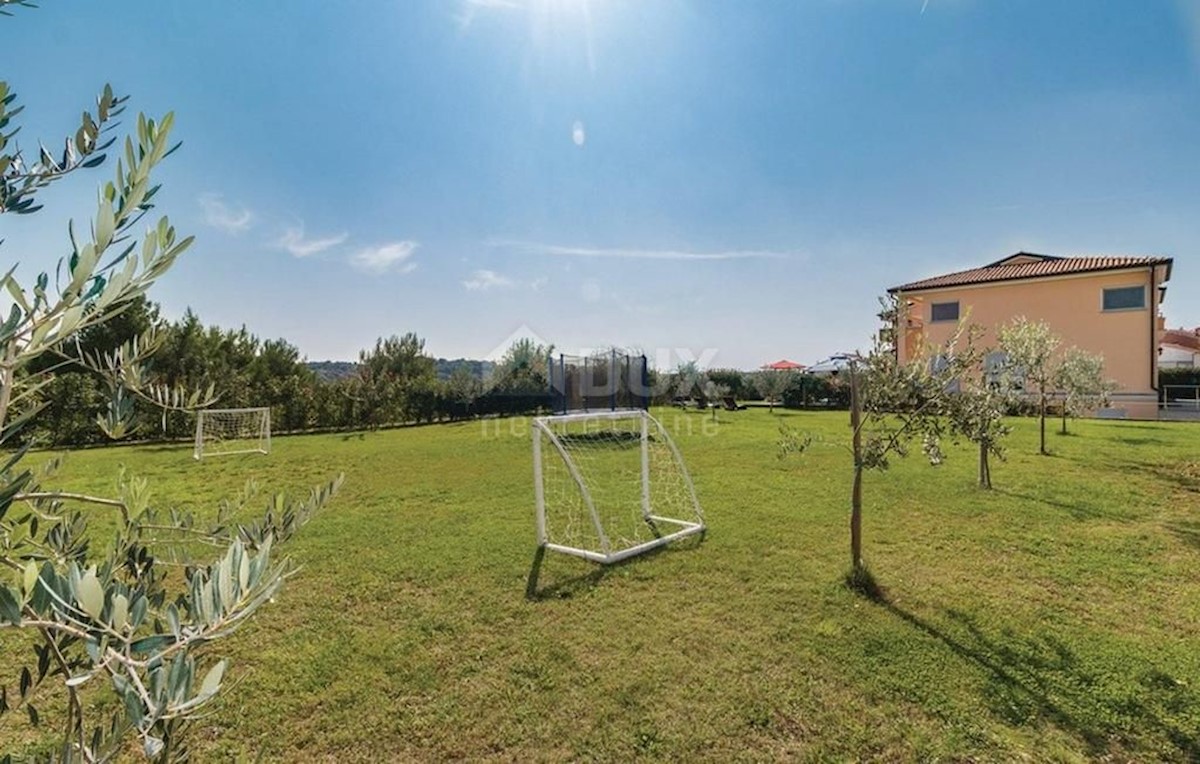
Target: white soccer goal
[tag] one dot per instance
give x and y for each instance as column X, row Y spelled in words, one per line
column 609, row 485
column 232, row 431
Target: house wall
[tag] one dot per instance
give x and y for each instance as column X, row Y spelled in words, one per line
column 1175, row 357
column 1072, row 306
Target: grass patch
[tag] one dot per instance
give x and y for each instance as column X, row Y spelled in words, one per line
column 1055, row 617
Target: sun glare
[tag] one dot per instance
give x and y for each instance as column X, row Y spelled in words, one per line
column 560, row 6
column 549, row 20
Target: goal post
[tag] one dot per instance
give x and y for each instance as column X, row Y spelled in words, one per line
column 220, row 432
column 609, row 485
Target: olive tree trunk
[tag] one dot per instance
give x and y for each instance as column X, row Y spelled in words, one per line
column 856, row 495
column 1042, row 422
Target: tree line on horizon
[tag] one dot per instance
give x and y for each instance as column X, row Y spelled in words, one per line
column 394, row 382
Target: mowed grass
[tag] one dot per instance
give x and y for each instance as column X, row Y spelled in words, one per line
column 1055, row 618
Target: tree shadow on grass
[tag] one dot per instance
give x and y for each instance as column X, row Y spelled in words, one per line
column 1078, row 510
column 1184, row 474
column 1041, row 679
column 862, row 582
column 1187, row 531
column 1138, row 441
column 1121, row 425
column 157, row 448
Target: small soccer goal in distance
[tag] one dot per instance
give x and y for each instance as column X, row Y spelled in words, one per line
column 610, row 485
column 220, row 432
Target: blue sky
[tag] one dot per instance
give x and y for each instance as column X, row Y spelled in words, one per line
column 735, row 181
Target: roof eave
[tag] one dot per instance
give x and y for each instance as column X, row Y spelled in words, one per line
column 915, row 286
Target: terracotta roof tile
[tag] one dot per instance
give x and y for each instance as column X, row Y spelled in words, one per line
column 1184, row 338
column 1025, row 265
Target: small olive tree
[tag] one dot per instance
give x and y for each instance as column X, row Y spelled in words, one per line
column 892, row 405
column 977, row 411
column 771, row 384
column 135, row 611
column 1079, row 377
column 1029, row 347
column 715, row 392
column 687, row 381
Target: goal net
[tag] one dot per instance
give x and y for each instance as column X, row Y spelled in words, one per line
column 232, row 431
column 610, row 485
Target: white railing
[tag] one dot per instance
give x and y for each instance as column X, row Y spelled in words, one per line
column 1179, row 397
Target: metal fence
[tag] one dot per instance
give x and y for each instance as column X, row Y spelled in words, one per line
column 1179, row 397
column 605, row 381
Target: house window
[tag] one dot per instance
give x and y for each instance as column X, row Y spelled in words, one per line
column 1125, row 298
column 943, row 311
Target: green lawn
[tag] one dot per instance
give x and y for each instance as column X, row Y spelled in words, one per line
column 1056, row 617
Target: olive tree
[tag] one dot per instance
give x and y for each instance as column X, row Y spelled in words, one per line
column 1079, row 377
column 715, row 392
column 892, row 406
column 687, row 381
column 134, row 611
column 1029, row 348
column 771, row 383
column 976, row 412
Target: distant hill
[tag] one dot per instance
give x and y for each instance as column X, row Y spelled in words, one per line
column 479, row 369
column 330, row 371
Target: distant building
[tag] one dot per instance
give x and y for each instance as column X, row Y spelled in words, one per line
column 833, row 365
column 784, row 365
column 1179, row 348
column 1106, row 305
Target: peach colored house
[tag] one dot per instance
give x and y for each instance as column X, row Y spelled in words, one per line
column 1106, row 305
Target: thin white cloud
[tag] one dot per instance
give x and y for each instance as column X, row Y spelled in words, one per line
column 295, row 242
column 468, row 9
column 220, row 215
column 555, row 250
column 485, row 280
column 578, row 134
column 393, row 256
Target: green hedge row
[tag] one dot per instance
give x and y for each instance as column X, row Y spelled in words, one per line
column 1177, row 376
